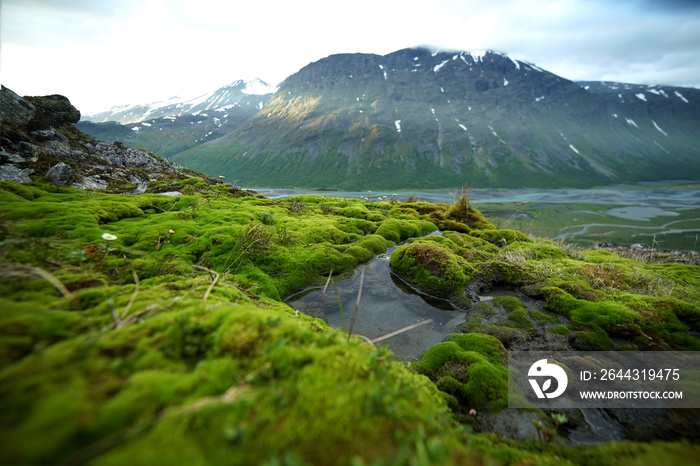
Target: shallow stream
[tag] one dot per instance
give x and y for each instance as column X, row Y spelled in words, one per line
column 387, row 304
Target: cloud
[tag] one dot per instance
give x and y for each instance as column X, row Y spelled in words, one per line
column 105, row 53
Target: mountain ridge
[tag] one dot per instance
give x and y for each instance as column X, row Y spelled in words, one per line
column 426, row 119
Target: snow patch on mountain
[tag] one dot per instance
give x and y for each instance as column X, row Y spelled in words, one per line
column 680, row 96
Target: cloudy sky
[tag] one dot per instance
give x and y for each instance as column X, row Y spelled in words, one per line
column 101, row 53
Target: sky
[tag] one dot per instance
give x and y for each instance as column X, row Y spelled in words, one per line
column 101, row 53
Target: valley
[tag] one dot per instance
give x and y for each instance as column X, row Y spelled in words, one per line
column 661, row 215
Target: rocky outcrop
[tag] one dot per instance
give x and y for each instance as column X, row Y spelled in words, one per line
column 40, row 142
column 14, row 109
column 52, row 111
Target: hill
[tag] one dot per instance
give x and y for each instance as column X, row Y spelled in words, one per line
column 420, row 119
column 175, row 125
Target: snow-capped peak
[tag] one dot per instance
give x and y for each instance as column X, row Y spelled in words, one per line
column 258, row 87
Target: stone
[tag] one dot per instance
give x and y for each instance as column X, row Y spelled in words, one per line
column 26, row 148
column 90, row 182
column 9, row 157
column 52, row 111
column 60, row 174
column 45, row 135
column 14, row 110
column 10, row 172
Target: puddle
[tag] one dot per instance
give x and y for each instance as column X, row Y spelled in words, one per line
column 640, row 213
column 387, row 304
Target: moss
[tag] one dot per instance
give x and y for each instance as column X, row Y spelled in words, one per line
column 151, row 354
column 593, row 340
column 397, row 230
column 560, row 329
column 504, row 273
column 469, row 368
column 432, row 268
column 503, row 237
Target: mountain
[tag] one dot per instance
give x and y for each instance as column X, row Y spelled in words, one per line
column 174, row 125
column 416, row 119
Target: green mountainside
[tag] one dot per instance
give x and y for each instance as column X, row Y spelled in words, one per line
column 420, row 120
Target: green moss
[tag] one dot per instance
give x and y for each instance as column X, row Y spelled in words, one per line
column 560, row 329
column 503, row 237
column 432, row 268
column 469, row 368
column 147, row 352
column 397, row 230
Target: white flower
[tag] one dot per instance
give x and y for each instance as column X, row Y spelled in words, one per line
column 172, row 232
column 108, row 237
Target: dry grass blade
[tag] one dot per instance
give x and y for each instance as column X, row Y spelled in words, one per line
column 323, row 293
column 401, row 330
column 357, row 304
column 211, row 285
column 9, row 270
column 133, row 296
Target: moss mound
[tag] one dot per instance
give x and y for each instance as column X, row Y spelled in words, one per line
column 432, row 268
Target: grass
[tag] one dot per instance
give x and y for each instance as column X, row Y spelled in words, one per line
column 569, row 219
column 160, row 347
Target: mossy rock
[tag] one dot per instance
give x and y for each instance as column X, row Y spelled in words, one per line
column 433, row 269
column 504, row 318
column 502, row 237
column 496, row 272
column 469, row 368
column 397, row 230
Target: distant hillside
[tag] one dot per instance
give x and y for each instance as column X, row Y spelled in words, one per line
column 421, row 119
column 170, row 127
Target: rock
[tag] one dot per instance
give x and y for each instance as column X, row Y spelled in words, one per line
column 14, row 109
column 90, row 182
column 10, row 172
column 141, row 187
column 26, row 148
column 60, row 174
column 117, row 155
column 10, row 157
column 52, row 111
column 45, row 135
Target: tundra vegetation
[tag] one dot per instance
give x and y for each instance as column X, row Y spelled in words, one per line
column 150, row 329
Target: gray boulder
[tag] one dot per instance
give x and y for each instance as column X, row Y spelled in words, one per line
column 14, row 110
column 60, row 174
column 10, row 172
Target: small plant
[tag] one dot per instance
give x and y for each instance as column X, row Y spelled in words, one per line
column 547, row 434
column 285, row 237
column 107, row 237
column 461, row 204
column 296, row 206
column 256, row 238
column 162, row 239
column 266, row 218
column 327, row 209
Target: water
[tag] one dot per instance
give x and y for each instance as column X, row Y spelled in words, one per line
column 662, row 194
column 387, row 304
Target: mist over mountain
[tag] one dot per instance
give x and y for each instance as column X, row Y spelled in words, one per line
column 420, row 119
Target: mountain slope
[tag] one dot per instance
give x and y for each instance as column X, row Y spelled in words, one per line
column 175, row 125
column 422, row 119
